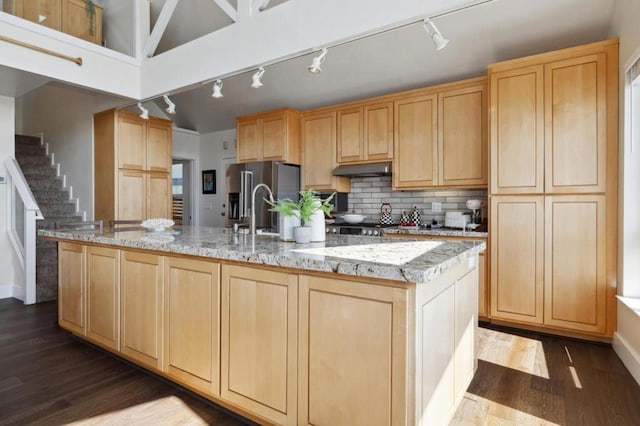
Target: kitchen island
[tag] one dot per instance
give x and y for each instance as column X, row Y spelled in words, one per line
column 355, row 330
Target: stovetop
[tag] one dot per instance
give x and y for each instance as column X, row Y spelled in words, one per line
column 363, row 225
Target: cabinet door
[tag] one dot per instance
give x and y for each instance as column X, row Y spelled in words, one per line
column 462, row 137
column 575, row 262
column 517, row 131
column 77, row 22
column 248, row 144
column 71, row 287
column 576, row 125
column 131, row 195
column 131, row 139
column 378, row 131
column 141, row 308
column 350, row 137
column 273, row 137
column 158, row 189
column 482, row 284
column 259, row 341
column 319, row 153
column 103, row 296
column 43, row 12
column 415, row 156
column 517, row 258
column 192, row 323
column 158, row 146
column 340, row 322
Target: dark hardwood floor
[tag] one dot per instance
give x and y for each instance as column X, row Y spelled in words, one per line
column 49, row 378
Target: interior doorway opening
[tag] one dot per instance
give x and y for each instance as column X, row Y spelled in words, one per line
column 181, row 190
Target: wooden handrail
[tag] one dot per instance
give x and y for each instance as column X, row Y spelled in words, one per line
column 41, row 49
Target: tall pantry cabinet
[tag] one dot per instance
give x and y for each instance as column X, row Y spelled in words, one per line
column 553, row 189
column 132, row 166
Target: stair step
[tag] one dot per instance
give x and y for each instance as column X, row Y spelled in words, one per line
column 42, row 243
column 29, row 150
column 29, row 161
column 39, row 172
column 57, row 209
column 45, row 184
column 51, row 196
column 27, row 140
column 50, row 222
column 46, row 256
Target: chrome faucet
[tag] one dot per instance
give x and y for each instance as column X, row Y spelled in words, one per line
column 253, row 205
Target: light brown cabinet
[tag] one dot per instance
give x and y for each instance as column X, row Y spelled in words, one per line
column 103, row 296
column 365, row 133
column 68, row 16
column 340, row 321
column 269, row 136
column 259, row 341
column 319, row 153
column 192, row 323
column 71, row 288
column 554, row 122
column 132, row 166
column 141, row 307
column 483, row 285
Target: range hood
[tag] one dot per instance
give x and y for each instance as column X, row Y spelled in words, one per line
column 363, row 170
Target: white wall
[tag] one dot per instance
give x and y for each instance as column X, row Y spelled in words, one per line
column 212, row 154
column 626, row 345
column 186, row 146
column 8, row 261
column 65, row 117
column 118, row 25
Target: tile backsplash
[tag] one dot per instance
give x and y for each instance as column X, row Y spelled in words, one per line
column 368, row 194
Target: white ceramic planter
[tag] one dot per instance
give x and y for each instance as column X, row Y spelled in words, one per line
column 286, row 224
column 302, row 234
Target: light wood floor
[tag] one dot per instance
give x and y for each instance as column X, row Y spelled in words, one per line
column 49, row 378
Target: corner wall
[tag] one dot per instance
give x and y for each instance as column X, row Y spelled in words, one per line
column 625, row 26
column 9, row 264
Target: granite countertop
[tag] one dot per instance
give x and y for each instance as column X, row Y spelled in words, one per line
column 440, row 232
column 397, row 259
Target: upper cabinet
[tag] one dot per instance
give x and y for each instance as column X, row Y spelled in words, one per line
column 365, row 133
column 269, row 136
column 132, row 166
column 73, row 17
column 319, row 153
column 551, row 118
column 440, row 137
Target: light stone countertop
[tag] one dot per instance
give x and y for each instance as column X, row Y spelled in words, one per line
column 440, row 232
column 397, row 259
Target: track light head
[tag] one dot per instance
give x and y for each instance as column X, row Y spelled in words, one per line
column 217, row 89
column 144, row 112
column 171, row 107
column 257, row 78
column 317, row 61
column 436, row 36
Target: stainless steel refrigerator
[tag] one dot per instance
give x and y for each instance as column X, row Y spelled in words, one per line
column 283, row 179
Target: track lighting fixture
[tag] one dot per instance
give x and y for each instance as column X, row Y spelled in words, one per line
column 317, row 61
column 171, row 107
column 217, row 89
column 435, row 34
column 257, row 78
column 144, row 112
column 262, row 4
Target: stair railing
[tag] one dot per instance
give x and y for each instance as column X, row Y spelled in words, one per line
column 22, row 213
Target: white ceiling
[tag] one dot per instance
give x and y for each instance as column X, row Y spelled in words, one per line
column 396, row 60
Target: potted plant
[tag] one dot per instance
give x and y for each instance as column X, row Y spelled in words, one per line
column 310, row 211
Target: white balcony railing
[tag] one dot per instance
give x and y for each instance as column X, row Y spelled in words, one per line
column 22, row 213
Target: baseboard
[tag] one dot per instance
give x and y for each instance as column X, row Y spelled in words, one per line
column 628, row 355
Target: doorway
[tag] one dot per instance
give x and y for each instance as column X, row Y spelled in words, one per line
column 181, row 190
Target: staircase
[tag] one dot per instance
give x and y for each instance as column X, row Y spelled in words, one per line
column 55, row 204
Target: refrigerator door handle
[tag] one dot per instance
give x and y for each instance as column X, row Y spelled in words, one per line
column 246, row 184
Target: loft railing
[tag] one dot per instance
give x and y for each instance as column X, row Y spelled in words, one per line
column 22, row 213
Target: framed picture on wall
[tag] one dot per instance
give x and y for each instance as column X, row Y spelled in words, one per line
column 208, row 181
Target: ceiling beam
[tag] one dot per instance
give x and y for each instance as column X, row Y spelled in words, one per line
column 228, row 9
column 161, row 25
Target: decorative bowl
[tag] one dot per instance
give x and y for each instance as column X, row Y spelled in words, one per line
column 158, row 224
column 353, row 218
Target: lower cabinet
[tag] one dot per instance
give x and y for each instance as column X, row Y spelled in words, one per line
column 352, row 338
column 141, row 308
column 259, row 341
column 483, row 294
column 103, row 296
column 192, row 323
column 71, row 289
